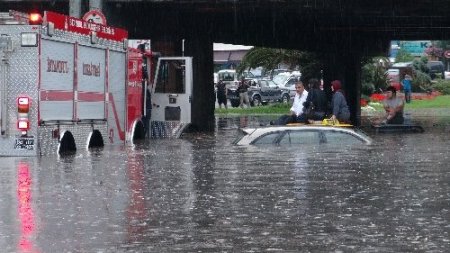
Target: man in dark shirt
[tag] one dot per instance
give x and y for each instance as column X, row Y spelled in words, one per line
column 222, row 94
column 243, row 94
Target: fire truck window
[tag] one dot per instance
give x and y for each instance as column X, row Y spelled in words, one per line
column 171, row 77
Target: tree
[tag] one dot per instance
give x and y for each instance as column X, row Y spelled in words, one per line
column 434, row 52
column 269, row 58
column 403, row 56
column 373, row 75
column 422, row 79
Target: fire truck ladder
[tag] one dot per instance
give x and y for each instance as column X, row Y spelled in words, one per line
column 5, row 49
column 13, row 18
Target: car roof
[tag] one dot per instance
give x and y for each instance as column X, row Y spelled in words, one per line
column 227, row 70
column 252, row 134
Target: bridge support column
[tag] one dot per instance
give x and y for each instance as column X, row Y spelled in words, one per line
column 200, row 47
column 346, row 67
column 75, row 8
column 96, row 5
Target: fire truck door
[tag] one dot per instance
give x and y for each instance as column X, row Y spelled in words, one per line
column 172, row 90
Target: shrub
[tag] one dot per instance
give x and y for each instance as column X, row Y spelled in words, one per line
column 443, row 86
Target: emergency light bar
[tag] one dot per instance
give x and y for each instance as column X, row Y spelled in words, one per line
column 35, row 19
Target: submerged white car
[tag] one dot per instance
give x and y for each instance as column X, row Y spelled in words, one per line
column 303, row 135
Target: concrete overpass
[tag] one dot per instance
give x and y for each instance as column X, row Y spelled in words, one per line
column 341, row 31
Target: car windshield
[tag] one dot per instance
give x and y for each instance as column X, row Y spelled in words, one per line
column 280, row 79
column 226, row 76
column 272, row 84
column 301, row 137
column 341, row 138
column 306, row 136
column 247, row 74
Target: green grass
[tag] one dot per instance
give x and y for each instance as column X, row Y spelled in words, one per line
column 265, row 109
column 437, row 102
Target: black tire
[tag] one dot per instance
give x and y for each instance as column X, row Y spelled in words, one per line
column 256, row 101
column 285, row 99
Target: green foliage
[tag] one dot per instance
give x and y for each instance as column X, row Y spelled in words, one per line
column 373, row 75
column 270, row 58
column 403, row 56
column 442, row 86
column 421, row 65
column 277, row 108
column 422, row 80
column 262, row 57
column 280, row 108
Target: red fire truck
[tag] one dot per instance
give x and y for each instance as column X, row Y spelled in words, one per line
column 66, row 84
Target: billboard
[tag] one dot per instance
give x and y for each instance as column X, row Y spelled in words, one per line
column 416, row 47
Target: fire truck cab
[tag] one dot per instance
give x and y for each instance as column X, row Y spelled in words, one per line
column 66, row 84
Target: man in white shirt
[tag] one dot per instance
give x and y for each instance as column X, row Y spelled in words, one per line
column 296, row 112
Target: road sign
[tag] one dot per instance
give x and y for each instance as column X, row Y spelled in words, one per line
column 447, row 54
column 95, row 16
column 415, row 47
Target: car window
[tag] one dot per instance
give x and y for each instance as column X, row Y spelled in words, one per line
column 248, row 75
column 271, row 84
column 263, row 84
column 341, row 138
column 226, row 76
column 301, row 137
column 280, row 79
column 269, row 138
column 291, row 82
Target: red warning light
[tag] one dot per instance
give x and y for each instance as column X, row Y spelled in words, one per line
column 23, row 104
column 23, row 124
column 35, row 19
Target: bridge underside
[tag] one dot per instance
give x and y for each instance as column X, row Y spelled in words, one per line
column 300, row 24
column 341, row 32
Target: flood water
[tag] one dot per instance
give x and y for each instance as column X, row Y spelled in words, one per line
column 200, row 193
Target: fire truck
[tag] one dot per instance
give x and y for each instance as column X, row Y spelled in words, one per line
column 66, row 84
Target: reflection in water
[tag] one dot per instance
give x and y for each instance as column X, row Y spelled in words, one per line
column 137, row 211
column 203, row 194
column 25, row 209
column 203, row 210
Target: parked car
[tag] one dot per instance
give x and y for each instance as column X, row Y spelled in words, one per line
column 303, row 135
column 270, row 74
column 261, row 92
column 437, row 69
column 287, row 81
column 264, row 91
column 229, row 77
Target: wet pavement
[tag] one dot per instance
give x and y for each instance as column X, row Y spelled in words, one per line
column 202, row 194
